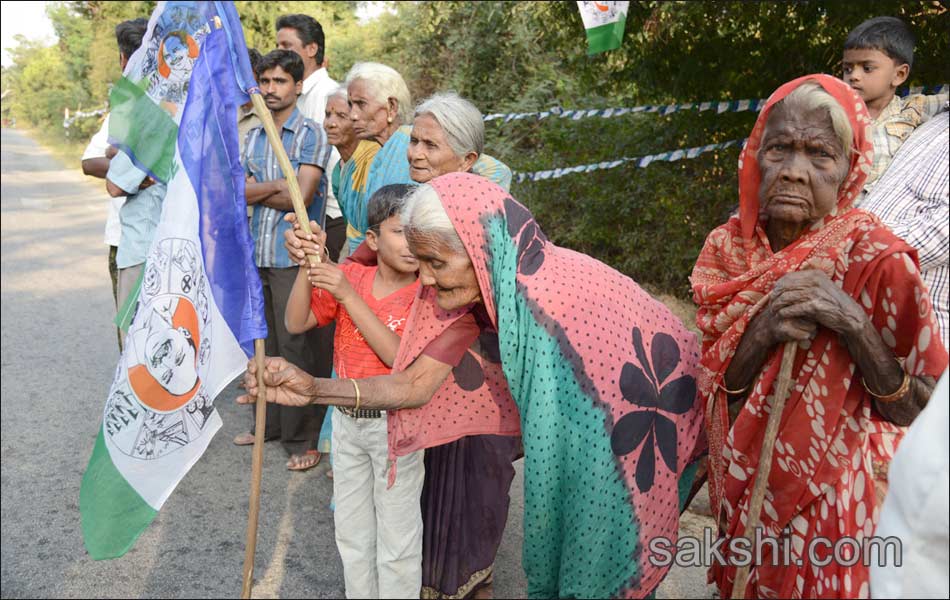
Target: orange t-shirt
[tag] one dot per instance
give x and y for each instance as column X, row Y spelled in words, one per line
column 352, row 356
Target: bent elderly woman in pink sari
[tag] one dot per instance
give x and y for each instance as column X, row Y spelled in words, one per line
column 597, row 376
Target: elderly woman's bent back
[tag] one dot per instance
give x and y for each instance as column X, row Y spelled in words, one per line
column 598, row 376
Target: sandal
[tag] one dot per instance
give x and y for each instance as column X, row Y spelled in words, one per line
column 303, row 462
column 244, row 439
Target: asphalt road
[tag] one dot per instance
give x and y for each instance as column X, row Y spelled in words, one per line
column 58, row 356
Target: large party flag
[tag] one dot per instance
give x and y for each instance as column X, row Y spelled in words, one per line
column 604, row 22
column 200, row 304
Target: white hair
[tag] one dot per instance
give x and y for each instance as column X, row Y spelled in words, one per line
column 811, row 96
column 461, row 121
column 384, row 83
column 423, row 216
column 339, row 91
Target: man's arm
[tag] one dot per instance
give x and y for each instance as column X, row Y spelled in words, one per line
column 96, row 167
column 124, row 178
column 308, row 177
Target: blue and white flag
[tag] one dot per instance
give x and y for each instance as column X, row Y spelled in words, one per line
column 200, row 305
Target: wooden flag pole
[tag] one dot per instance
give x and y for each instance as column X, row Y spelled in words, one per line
column 257, row 464
column 260, row 421
column 753, row 519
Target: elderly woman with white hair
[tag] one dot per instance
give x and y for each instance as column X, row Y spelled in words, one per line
column 448, row 136
column 512, row 334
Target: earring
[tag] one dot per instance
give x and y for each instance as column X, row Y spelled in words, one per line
column 389, row 120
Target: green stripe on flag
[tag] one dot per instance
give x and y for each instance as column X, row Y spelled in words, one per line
column 123, row 318
column 141, row 125
column 112, row 512
column 606, row 37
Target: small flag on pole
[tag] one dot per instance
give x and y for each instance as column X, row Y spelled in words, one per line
column 200, row 305
column 604, row 22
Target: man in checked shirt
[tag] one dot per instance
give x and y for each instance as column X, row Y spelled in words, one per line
column 280, row 76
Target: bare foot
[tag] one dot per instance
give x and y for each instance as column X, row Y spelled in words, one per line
column 244, row 439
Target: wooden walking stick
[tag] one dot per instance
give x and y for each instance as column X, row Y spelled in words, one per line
column 260, row 421
column 782, row 384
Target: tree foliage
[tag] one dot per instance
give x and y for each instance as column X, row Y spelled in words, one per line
column 525, row 56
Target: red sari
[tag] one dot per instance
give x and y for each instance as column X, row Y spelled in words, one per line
column 830, row 460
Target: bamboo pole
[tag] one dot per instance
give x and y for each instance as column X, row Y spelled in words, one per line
column 753, row 519
column 257, row 462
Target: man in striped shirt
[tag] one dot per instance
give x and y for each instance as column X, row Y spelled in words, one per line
column 913, row 199
column 280, row 76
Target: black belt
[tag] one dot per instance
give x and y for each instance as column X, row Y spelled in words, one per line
column 363, row 413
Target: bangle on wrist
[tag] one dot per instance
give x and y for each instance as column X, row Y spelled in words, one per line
column 894, row 396
column 356, row 387
column 738, row 392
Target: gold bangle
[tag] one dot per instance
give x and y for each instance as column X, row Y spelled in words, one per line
column 892, row 397
column 357, row 388
column 734, row 392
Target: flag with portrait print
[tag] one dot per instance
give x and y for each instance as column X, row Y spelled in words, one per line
column 200, row 303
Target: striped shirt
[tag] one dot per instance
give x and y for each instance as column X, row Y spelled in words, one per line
column 306, row 144
column 913, row 199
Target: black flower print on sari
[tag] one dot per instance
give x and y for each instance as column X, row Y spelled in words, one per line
column 647, row 389
column 531, row 241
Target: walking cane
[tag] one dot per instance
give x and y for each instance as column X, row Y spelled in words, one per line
column 782, row 384
column 260, row 414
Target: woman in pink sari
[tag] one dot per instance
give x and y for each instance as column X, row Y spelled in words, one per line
column 799, row 263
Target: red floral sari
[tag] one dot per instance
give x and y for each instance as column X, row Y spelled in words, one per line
column 831, row 455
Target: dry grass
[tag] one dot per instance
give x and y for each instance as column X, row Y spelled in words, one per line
column 683, row 309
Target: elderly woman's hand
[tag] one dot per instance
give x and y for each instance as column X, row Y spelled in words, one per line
column 299, row 244
column 811, row 297
column 286, row 383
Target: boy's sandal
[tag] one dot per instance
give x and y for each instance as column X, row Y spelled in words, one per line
column 305, row 461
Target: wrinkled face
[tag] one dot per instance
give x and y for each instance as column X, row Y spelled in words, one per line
column 447, row 270
column 279, row 89
column 370, row 117
column 170, row 359
column 337, row 122
column 289, row 39
column 391, row 246
column 430, row 154
column 871, row 73
column 802, row 164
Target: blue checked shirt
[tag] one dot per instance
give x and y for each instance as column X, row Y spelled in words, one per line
column 913, row 199
column 306, row 144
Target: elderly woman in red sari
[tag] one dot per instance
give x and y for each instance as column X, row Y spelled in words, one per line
column 799, row 263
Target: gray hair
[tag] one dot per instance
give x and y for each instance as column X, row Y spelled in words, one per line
column 384, row 83
column 461, row 121
column 339, row 91
column 423, row 216
column 811, row 96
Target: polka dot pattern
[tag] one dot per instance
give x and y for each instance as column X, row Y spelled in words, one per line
column 566, row 327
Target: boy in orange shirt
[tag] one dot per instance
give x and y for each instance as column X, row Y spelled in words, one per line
column 378, row 530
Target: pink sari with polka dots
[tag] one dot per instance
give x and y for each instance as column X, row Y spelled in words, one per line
column 830, row 460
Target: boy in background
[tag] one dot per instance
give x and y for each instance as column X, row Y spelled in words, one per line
column 878, row 56
column 378, row 530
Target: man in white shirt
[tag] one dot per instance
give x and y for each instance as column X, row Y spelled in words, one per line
column 304, row 35
column 95, row 163
column 913, row 198
column 916, row 508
